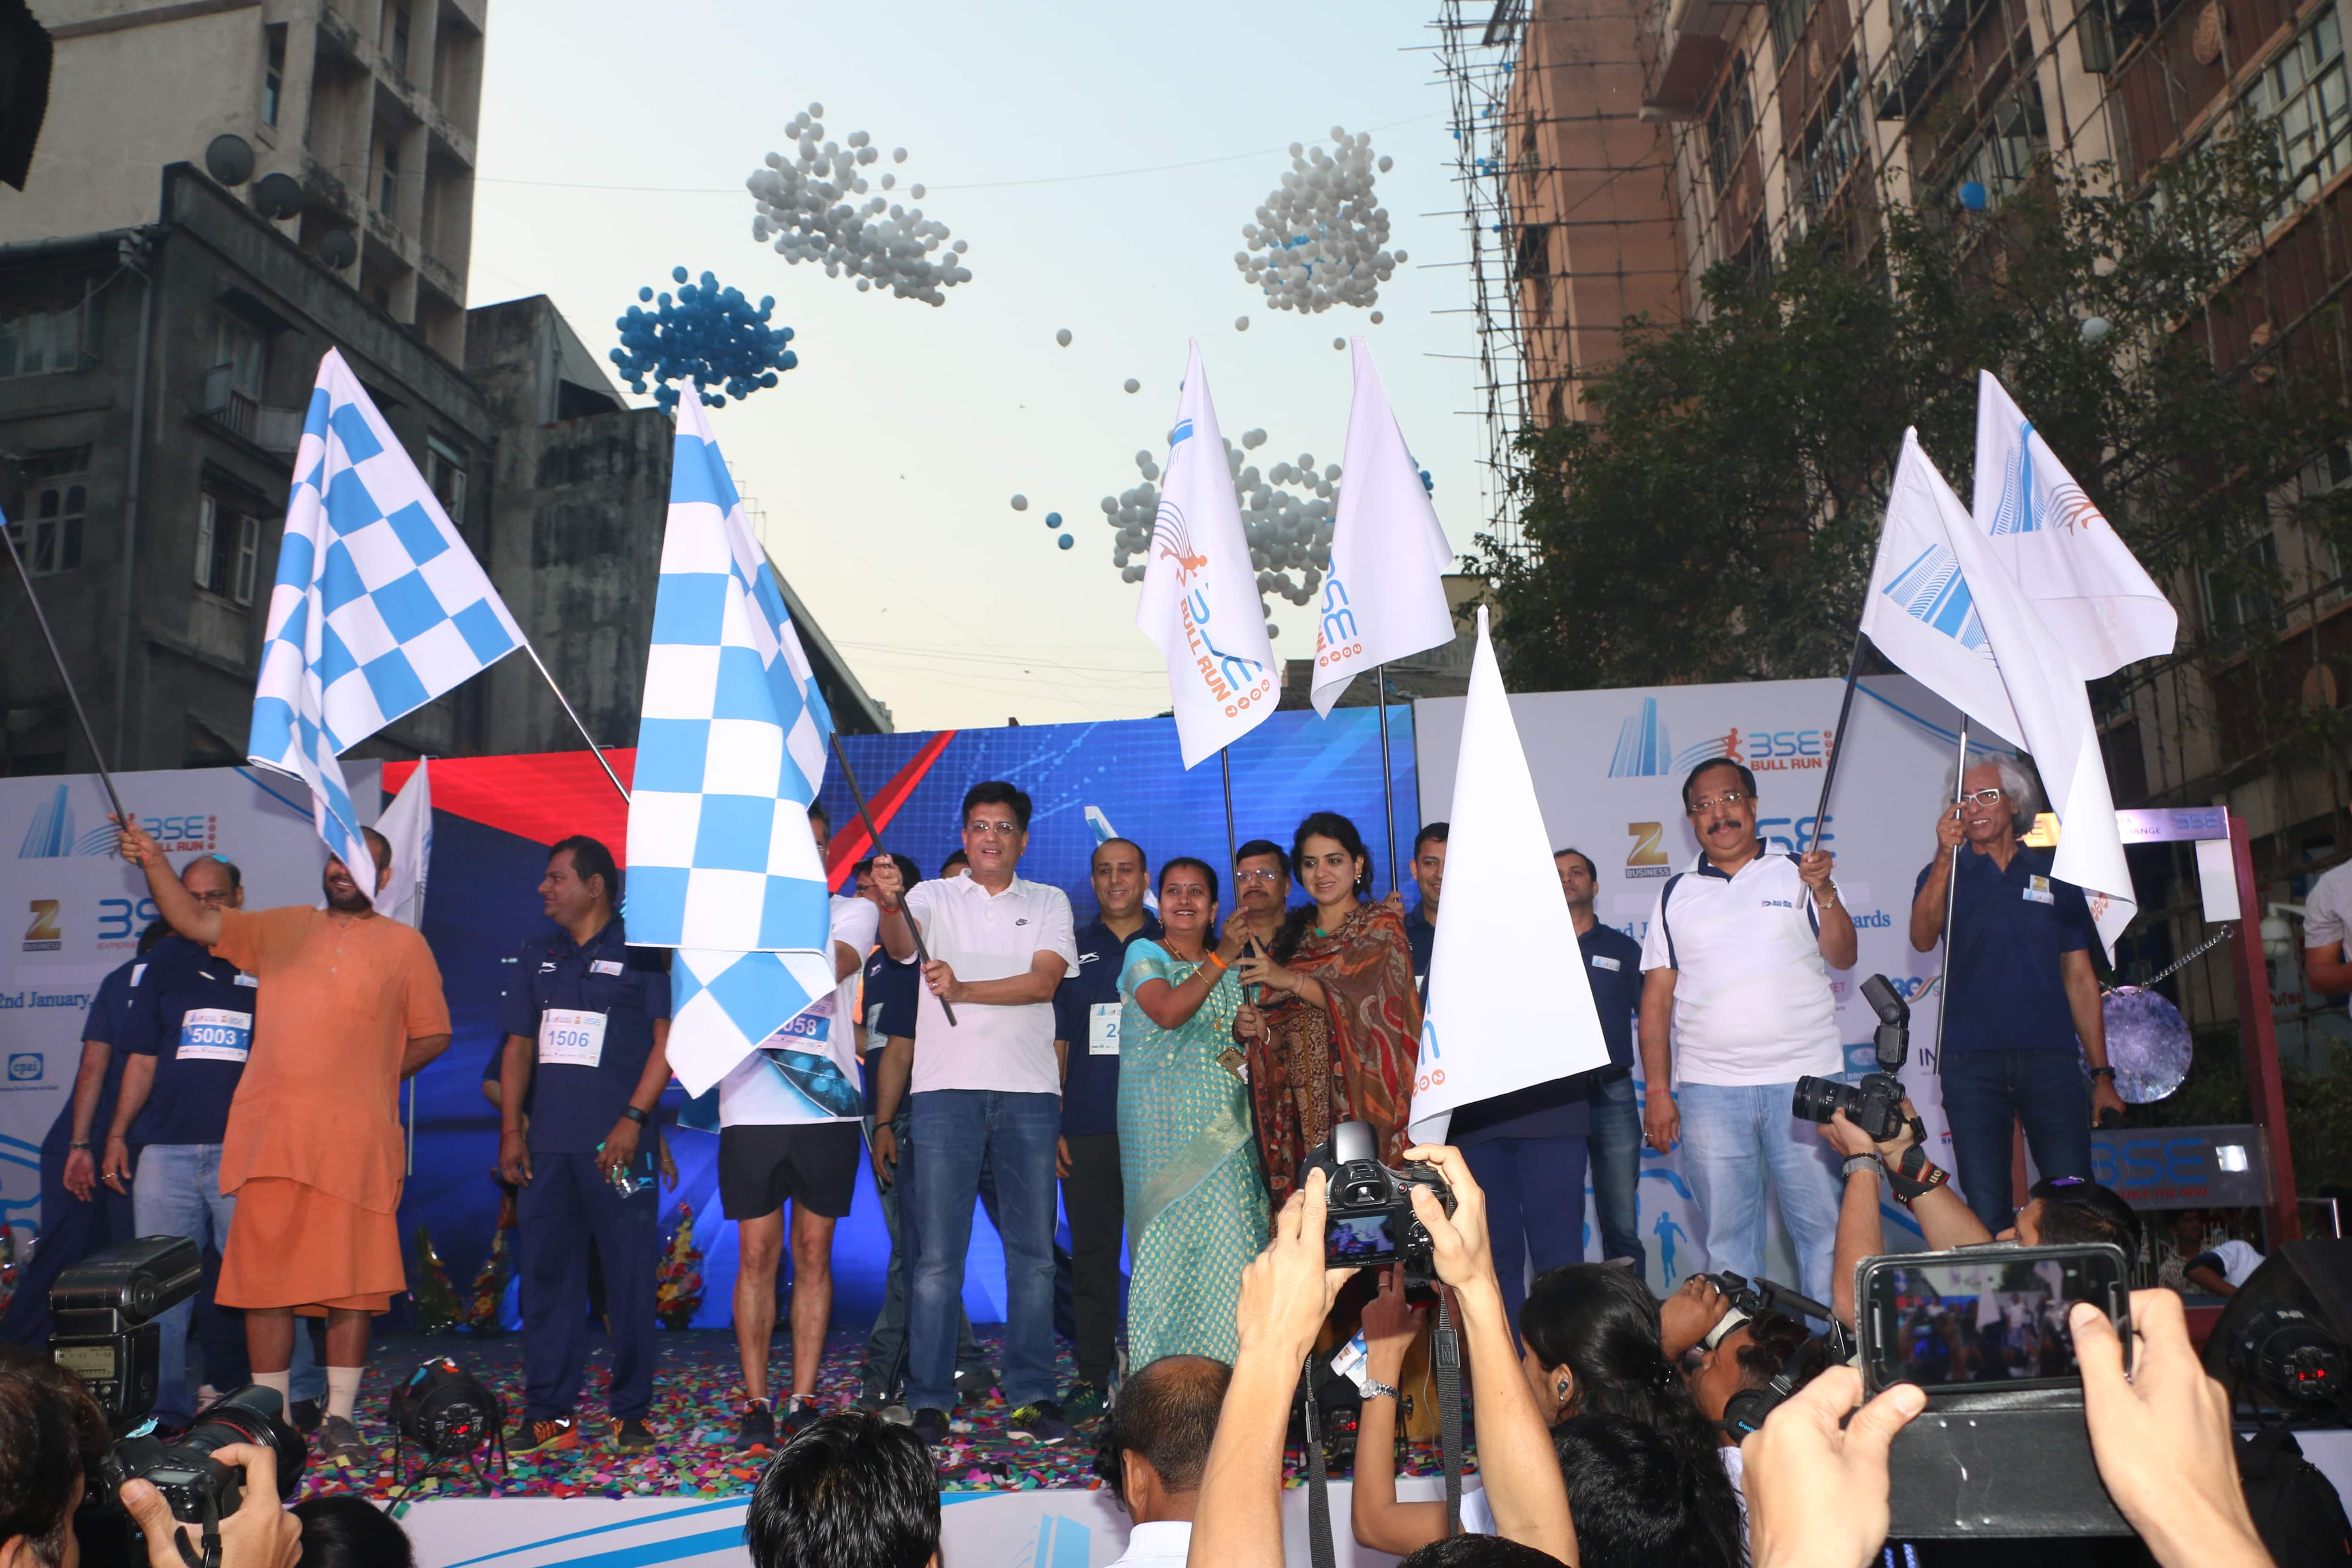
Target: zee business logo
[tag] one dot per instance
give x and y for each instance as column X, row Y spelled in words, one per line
column 45, row 935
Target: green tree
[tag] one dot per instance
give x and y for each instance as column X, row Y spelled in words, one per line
column 1717, row 519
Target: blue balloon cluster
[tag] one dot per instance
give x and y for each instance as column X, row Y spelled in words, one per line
column 709, row 334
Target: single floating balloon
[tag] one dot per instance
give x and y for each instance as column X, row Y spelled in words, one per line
column 2096, row 328
column 1377, row 318
column 1063, row 337
column 707, row 334
column 1020, row 503
column 1973, row 196
column 1066, row 542
column 1339, row 342
column 1132, row 385
column 1052, row 519
column 1241, row 323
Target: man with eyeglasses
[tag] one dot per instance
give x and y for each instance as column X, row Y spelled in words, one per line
column 1736, row 1008
column 1261, row 889
column 2021, row 993
column 986, row 1090
column 185, row 1040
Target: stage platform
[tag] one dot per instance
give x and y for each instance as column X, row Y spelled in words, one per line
column 697, row 1398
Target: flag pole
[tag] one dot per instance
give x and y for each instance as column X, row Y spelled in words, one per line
column 595, row 751
column 1226, row 772
column 875, row 836
column 96, row 757
column 1837, row 736
column 1951, row 890
column 1388, row 779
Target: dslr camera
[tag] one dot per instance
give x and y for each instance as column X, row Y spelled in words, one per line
column 1875, row 1104
column 1369, row 1219
column 106, row 1336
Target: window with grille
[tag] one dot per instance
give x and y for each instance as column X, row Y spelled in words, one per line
column 228, row 550
column 445, row 475
column 2303, row 93
column 1789, row 18
column 1730, row 119
column 49, row 331
column 57, row 503
column 238, row 348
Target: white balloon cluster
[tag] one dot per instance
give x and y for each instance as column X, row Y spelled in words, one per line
column 1318, row 240
column 804, row 204
column 1286, row 513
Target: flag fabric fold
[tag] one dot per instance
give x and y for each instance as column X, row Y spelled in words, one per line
column 731, row 752
column 407, row 825
column 1200, row 602
column 1385, row 597
column 1486, row 1032
column 2099, row 603
column 379, row 607
column 1947, row 611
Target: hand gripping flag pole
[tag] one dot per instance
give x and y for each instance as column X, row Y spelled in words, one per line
column 874, row 835
column 96, row 757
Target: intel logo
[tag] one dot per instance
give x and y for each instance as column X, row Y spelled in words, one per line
column 24, row 1066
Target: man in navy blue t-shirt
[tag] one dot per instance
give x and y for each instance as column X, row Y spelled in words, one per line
column 184, row 1041
column 1613, row 967
column 1086, row 1037
column 586, row 1022
column 2021, row 992
column 1429, row 877
column 79, row 1216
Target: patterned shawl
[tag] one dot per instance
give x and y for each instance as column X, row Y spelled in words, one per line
column 1351, row 1061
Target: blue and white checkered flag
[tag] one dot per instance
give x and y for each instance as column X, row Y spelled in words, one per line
column 731, row 752
column 379, row 607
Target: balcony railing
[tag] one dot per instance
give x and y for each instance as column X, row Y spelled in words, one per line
column 1924, row 35
column 241, row 413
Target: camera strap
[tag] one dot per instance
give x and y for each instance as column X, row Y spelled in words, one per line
column 211, row 1538
column 1319, row 1480
column 1445, row 1357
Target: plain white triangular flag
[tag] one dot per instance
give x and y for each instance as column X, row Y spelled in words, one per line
column 2098, row 602
column 407, row 824
column 1200, row 597
column 1385, row 597
column 1487, row 1031
column 1945, row 609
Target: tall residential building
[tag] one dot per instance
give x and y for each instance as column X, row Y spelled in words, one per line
column 1616, row 149
column 369, row 106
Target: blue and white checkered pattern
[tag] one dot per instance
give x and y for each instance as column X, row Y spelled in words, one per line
column 731, row 752
column 379, row 607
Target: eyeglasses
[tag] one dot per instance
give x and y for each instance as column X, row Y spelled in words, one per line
column 1258, row 874
column 993, row 829
column 218, row 896
column 1982, row 798
column 1727, row 798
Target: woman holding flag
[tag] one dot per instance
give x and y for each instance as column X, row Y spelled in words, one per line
column 1195, row 1209
column 1335, row 1024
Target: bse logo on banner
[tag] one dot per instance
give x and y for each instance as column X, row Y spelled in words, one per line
column 50, row 834
column 45, row 935
column 1646, row 748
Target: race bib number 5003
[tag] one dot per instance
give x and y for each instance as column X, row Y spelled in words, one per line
column 214, row 1035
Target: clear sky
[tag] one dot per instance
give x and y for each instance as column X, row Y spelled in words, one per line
column 887, row 461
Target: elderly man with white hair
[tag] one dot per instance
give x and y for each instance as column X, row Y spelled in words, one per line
column 2022, row 993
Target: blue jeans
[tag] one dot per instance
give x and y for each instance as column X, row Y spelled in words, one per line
column 958, row 1131
column 1529, row 1219
column 886, row 1343
column 1983, row 1090
column 176, row 1192
column 1733, row 1135
column 1616, row 1148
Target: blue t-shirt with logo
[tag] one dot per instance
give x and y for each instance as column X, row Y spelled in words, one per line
column 590, row 1012
column 1085, row 1015
column 104, row 1024
column 194, row 1014
column 2008, row 931
column 890, row 1005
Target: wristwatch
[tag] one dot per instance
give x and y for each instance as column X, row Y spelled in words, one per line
column 2107, row 1073
column 1375, row 1389
column 634, row 1114
column 1857, row 1163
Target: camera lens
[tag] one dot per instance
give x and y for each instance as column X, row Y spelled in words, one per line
column 1819, row 1099
column 247, row 1417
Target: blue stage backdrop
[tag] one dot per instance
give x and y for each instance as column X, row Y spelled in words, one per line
column 494, row 817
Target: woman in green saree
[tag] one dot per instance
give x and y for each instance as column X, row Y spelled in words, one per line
column 1196, row 1209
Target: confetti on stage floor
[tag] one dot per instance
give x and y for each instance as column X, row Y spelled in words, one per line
column 697, row 1399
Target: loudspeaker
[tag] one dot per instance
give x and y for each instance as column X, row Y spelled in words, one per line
column 2285, row 1339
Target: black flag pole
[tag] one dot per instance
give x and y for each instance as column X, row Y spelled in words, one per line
column 1226, row 772
column 850, row 778
column 1388, row 779
column 1837, row 736
column 96, row 757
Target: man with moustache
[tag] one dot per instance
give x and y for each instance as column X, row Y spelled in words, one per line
column 350, row 1004
column 1738, row 959
column 1261, row 889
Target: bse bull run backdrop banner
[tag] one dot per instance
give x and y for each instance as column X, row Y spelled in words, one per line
column 494, row 817
column 73, row 911
column 1609, row 767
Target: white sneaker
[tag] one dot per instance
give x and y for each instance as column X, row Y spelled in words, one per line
column 898, row 1415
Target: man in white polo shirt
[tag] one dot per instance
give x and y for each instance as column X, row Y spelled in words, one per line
column 986, row 1093
column 1738, row 957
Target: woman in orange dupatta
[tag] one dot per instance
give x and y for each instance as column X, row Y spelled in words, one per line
column 1335, row 1025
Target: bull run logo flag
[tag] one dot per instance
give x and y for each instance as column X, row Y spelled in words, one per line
column 1200, row 602
column 2098, row 602
column 1385, row 598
